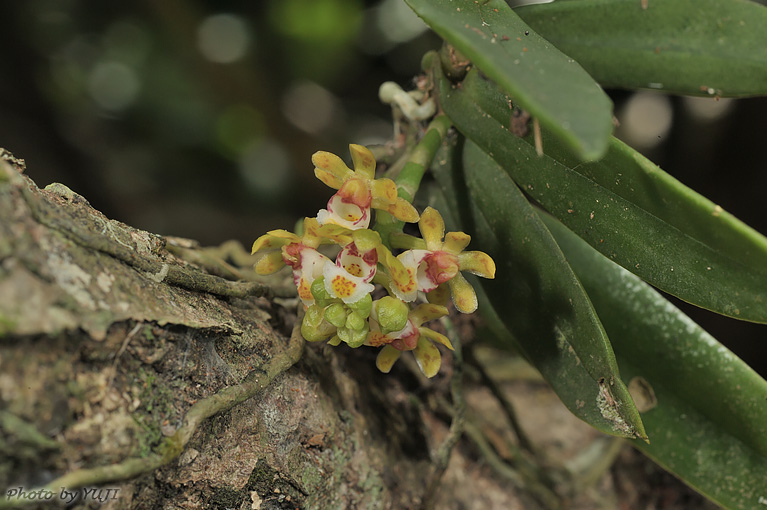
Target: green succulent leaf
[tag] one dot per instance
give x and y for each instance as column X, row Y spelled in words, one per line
column 625, row 207
column 697, row 47
column 537, row 296
column 709, row 426
column 540, row 78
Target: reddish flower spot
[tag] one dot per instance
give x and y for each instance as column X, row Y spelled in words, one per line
column 354, row 269
column 304, row 290
column 343, row 287
column 377, row 339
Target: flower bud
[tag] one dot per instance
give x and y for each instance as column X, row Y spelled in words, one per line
column 353, row 338
column 314, row 327
column 319, row 292
column 355, row 322
column 391, row 314
column 336, row 314
column 362, row 307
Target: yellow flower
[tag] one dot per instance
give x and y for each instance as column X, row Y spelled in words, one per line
column 281, row 247
column 413, row 337
column 358, row 190
column 432, row 262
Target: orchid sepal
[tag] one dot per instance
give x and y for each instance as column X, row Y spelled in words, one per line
column 386, row 359
column 428, row 357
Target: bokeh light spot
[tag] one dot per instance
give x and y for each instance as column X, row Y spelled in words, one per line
column 113, row 85
column 398, row 22
column 223, row 38
column 645, row 119
column 707, row 108
column 309, row 107
column 265, row 168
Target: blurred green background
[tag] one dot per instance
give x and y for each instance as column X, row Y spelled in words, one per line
column 198, row 119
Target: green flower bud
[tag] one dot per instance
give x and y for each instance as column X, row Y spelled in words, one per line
column 319, row 292
column 314, row 328
column 391, row 314
column 355, row 322
column 354, row 338
column 336, row 314
column 363, row 306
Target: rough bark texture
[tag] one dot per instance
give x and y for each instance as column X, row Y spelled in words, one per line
column 125, row 366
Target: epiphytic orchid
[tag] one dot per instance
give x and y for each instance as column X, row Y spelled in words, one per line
column 412, row 337
column 281, row 247
column 433, row 262
column 337, row 294
column 358, row 190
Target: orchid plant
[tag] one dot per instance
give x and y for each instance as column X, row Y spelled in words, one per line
column 581, row 225
column 337, row 294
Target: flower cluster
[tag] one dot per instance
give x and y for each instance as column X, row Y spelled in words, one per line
column 337, row 294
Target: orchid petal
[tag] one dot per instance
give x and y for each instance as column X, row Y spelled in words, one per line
column 440, row 295
column 270, row 263
column 304, row 288
column 402, row 210
column 456, row 242
column 329, row 178
column 363, row 161
column 361, row 265
column 387, row 358
column 311, row 263
column 344, row 286
column 426, row 312
column 478, row 263
column 464, row 297
column 366, row 239
column 432, row 228
column 436, row 337
column 377, row 339
column 405, row 285
column 348, row 216
column 274, row 239
column 384, row 191
column 428, row 357
column 337, row 234
column 330, row 163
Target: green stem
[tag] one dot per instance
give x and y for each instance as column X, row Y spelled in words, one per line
column 409, row 178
